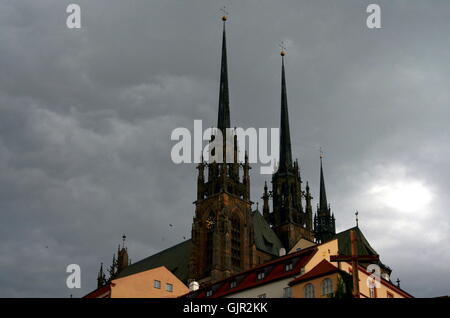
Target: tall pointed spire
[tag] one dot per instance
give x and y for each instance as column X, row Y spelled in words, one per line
column 285, row 136
column 323, row 206
column 223, row 121
column 324, row 222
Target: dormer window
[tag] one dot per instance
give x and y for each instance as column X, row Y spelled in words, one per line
column 288, row 267
column 209, row 293
column 260, row 276
column 233, row 284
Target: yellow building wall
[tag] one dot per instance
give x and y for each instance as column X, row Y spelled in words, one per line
column 381, row 292
column 140, row 285
column 324, row 251
column 298, row 290
column 301, row 244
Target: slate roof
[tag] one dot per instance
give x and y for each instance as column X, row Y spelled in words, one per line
column 344, row 243
column 265, row 238
column 363, row 246
column 175, row 259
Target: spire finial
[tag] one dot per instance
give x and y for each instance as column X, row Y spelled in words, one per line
column 283, row 49
column 223, row 121
column 356, row 216
column 323, row 193
column 321, row 153
column 225, row 14
column 285, row 135
column 124, row 237
column 398, row 282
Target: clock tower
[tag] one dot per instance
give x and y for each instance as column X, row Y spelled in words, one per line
column 222, row 229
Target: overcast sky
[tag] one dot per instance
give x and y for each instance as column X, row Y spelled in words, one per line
column 86, row 117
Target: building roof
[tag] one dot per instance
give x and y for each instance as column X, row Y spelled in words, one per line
column 344, row 243
column 265, row 238
column 363, row 246
column 321, row 269
column 100, row 292
column 273, row 270
column 175, row 259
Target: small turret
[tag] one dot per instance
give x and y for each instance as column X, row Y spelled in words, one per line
column 101, row 279
column 266, row 209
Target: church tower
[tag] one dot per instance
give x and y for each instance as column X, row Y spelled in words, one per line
column 222, row 229
column 324, row 222
column 288, row 219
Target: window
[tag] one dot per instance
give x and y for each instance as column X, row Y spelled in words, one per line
column 260, row 276
column 236, row 242
column 373, row 292
column 209, row 293
column 302, row 271
column 327, row 286
column 169, row 287
column 156, row 284
column 233, row 284
column 288, row 267
column 262, row 296
column 309, row 291
column 287, row 292
column 389, row 295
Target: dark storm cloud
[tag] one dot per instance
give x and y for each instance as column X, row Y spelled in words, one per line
column 86, row 117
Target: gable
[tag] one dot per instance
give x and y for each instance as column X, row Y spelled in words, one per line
column 265, row 238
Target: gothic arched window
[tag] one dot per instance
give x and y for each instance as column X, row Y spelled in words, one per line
column 209, row 240
column 309, row 291
column 327, row 286
column 236, row 242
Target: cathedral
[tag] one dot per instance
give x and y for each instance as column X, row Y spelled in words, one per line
column 228, row 237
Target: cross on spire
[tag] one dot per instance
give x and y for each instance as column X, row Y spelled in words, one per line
column 356, row 216
column 223, row 9
column 283, row 48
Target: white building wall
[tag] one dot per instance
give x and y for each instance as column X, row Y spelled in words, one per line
column 272, row 290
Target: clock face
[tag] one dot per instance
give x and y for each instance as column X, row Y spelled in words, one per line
column 209, row 223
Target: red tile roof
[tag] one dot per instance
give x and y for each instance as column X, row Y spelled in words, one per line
column 99, row 292
column 273, row 270
column 321, row 269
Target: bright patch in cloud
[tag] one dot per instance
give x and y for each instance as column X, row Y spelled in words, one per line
column 404, row 196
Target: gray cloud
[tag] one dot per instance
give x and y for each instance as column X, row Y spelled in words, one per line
column 86, row 117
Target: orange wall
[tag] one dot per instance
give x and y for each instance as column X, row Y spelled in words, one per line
column 140, row 285
column 381, row 292
column 298, row 290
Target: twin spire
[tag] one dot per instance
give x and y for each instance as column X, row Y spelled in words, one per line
column 285, row 160
column 285, row 136
column 223, row 121
column 323, row 205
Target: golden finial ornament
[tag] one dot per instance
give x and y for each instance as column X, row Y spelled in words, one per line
column 225, row 16
column 283, row 49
